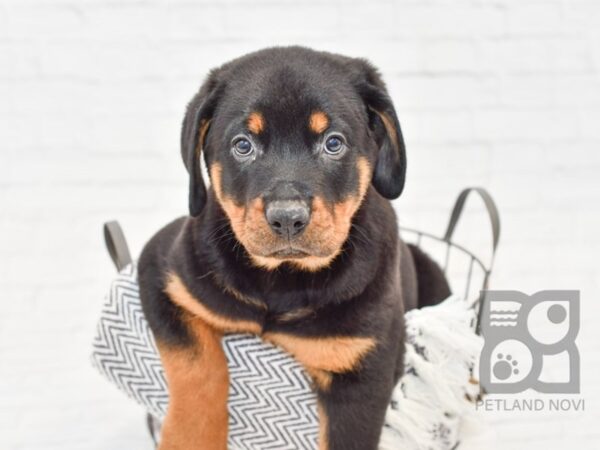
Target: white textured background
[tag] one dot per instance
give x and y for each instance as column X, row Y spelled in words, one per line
column 501, row 93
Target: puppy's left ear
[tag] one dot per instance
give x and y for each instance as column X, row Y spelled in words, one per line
column 390, row 167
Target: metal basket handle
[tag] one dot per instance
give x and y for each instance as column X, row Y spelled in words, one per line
column 491, row 208
column 117, row 247
column 494, row 216
column 116, row 244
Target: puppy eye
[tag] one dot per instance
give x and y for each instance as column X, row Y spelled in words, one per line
column 334, row 145
column 242, row 147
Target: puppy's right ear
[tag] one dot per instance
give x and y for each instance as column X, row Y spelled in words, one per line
column 193, row 137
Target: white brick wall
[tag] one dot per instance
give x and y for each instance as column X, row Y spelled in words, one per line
column 502, row 93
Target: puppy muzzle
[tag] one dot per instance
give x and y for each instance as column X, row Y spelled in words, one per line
column 287, row 209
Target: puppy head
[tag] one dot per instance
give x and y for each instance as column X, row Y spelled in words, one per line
column 292, row 139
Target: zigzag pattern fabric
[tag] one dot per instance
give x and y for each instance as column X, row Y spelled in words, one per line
column 271, row 404
column 124, row 350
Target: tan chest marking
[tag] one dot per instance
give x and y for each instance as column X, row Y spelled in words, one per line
column 181, row 296
column 323, row 356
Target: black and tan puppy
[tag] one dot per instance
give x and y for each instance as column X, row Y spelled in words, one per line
column 295, row 241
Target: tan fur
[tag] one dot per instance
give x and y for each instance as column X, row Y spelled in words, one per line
column 318, row 122
column 247, row 222
column 243, row 298
column 197, row 376
column 326, row 232
column 198, row 382
column 180, row 295
column 321, row 379
column 256, row 122
column 332, row 354
column 203, row 129
column 334, row 226
column 388, row 123
column 265, row 262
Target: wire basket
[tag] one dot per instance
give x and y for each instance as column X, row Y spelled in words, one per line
column 475, row 273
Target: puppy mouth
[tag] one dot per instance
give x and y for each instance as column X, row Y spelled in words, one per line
column 289, row 253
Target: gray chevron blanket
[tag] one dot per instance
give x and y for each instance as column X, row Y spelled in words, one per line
column 271, row 404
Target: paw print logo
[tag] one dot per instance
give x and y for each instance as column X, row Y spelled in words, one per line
column 522, row 333
column 505, row 367
column 510, row 363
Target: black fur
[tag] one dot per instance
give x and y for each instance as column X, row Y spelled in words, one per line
column 366, row 289
column 432, row 284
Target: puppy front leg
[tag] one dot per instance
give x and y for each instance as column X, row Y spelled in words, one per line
column 352, row 412
column 198, row 382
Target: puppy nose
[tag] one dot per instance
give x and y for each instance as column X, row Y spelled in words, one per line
column 288, row 218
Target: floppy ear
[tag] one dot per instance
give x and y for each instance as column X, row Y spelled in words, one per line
column 193, row 136
column 390, row 167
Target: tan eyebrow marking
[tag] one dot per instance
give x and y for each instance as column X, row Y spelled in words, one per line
column 255, row 122
column 318, row 122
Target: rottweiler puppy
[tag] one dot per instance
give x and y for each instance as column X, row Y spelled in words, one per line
column 295, row 241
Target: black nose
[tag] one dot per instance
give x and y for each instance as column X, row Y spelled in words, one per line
column 287, row 218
